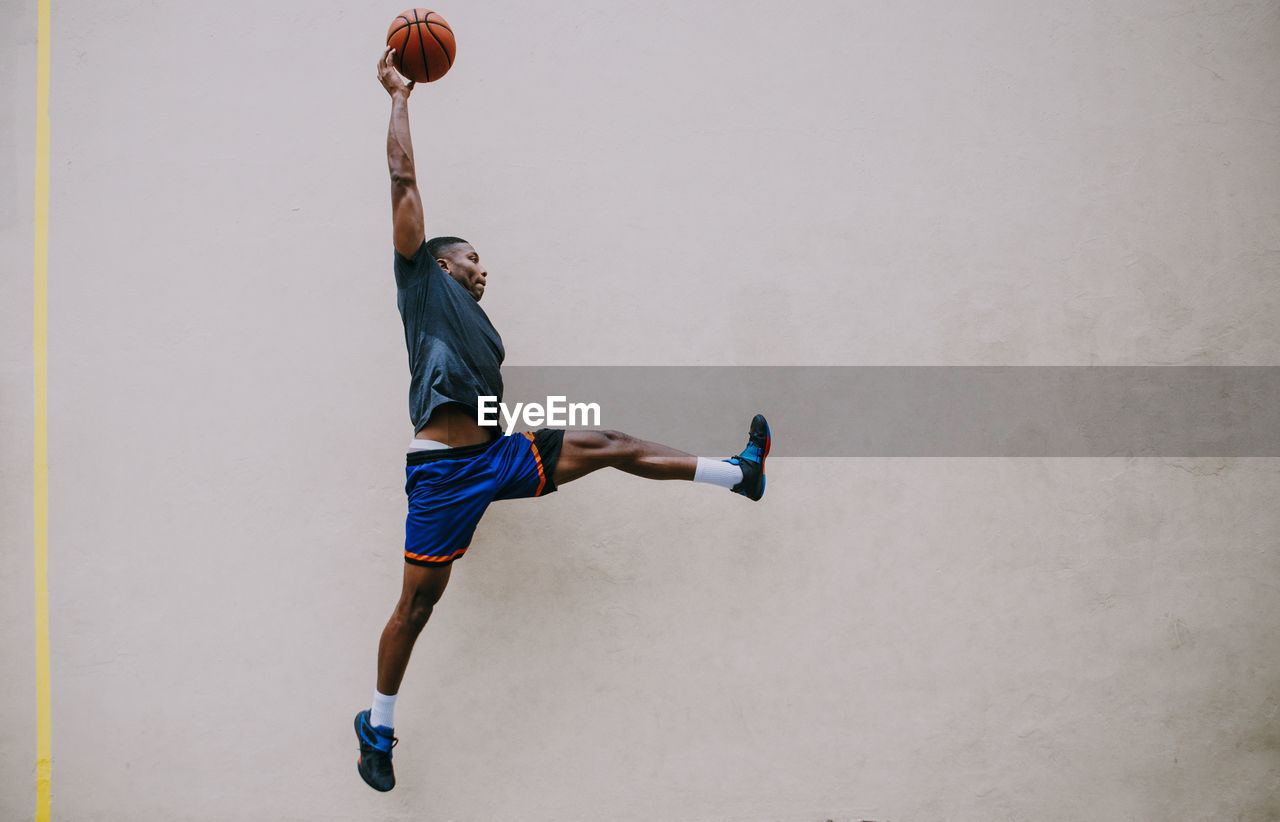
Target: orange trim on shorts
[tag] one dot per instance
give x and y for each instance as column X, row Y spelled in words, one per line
column 429, row 558
column 542, row 478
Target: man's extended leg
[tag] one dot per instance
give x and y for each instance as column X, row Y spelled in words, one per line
column 587, row 451
column 422, row 589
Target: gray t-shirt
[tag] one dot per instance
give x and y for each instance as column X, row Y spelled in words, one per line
column 455, row 353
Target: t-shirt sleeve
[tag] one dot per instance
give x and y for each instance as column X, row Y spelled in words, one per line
column 415, row 270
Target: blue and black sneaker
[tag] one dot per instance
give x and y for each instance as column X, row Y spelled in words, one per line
column 751, row 460
column 374, row 763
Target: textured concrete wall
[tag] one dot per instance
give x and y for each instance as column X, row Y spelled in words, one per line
column 652, row 183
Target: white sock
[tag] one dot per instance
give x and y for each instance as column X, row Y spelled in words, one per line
column 384, row 710
column 717, row 472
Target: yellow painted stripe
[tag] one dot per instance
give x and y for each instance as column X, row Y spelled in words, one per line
column 40, row 345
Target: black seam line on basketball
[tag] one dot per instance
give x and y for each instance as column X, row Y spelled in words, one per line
column 439, row 22
column 446, row 28
column 408, row 22
column 441, row 45
column 422, row 49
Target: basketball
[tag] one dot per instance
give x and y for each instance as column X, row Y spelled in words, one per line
column 424, row 45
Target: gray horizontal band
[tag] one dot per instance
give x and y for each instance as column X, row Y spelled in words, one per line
column 943, row 411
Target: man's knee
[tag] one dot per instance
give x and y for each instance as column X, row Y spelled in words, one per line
column 415, row 612
column 415, row 606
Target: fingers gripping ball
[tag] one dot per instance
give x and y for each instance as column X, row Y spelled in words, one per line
column 424, row 45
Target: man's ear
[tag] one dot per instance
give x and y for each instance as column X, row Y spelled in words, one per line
column 443, row 263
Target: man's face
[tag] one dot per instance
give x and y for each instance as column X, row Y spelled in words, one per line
column 463, row 264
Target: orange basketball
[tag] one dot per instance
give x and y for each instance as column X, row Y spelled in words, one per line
column 424, row 45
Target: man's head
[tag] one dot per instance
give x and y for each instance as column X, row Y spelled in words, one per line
column 460, row 261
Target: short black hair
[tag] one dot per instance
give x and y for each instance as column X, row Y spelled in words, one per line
column 437, row 244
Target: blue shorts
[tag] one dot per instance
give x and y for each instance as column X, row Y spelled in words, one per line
column 450, row 488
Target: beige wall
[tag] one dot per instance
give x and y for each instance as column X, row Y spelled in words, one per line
column 649, row 183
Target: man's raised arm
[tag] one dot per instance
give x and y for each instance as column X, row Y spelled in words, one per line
column 406, row 202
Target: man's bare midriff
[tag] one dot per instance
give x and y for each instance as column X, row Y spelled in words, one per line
column 455, row 426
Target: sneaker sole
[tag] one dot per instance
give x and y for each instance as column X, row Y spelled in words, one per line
column 768, row 442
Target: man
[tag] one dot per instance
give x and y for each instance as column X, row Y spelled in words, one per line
column 455, row 466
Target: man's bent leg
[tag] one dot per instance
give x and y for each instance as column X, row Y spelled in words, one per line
column 422, row 589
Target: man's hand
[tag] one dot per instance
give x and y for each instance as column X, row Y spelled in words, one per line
column 393, row 81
